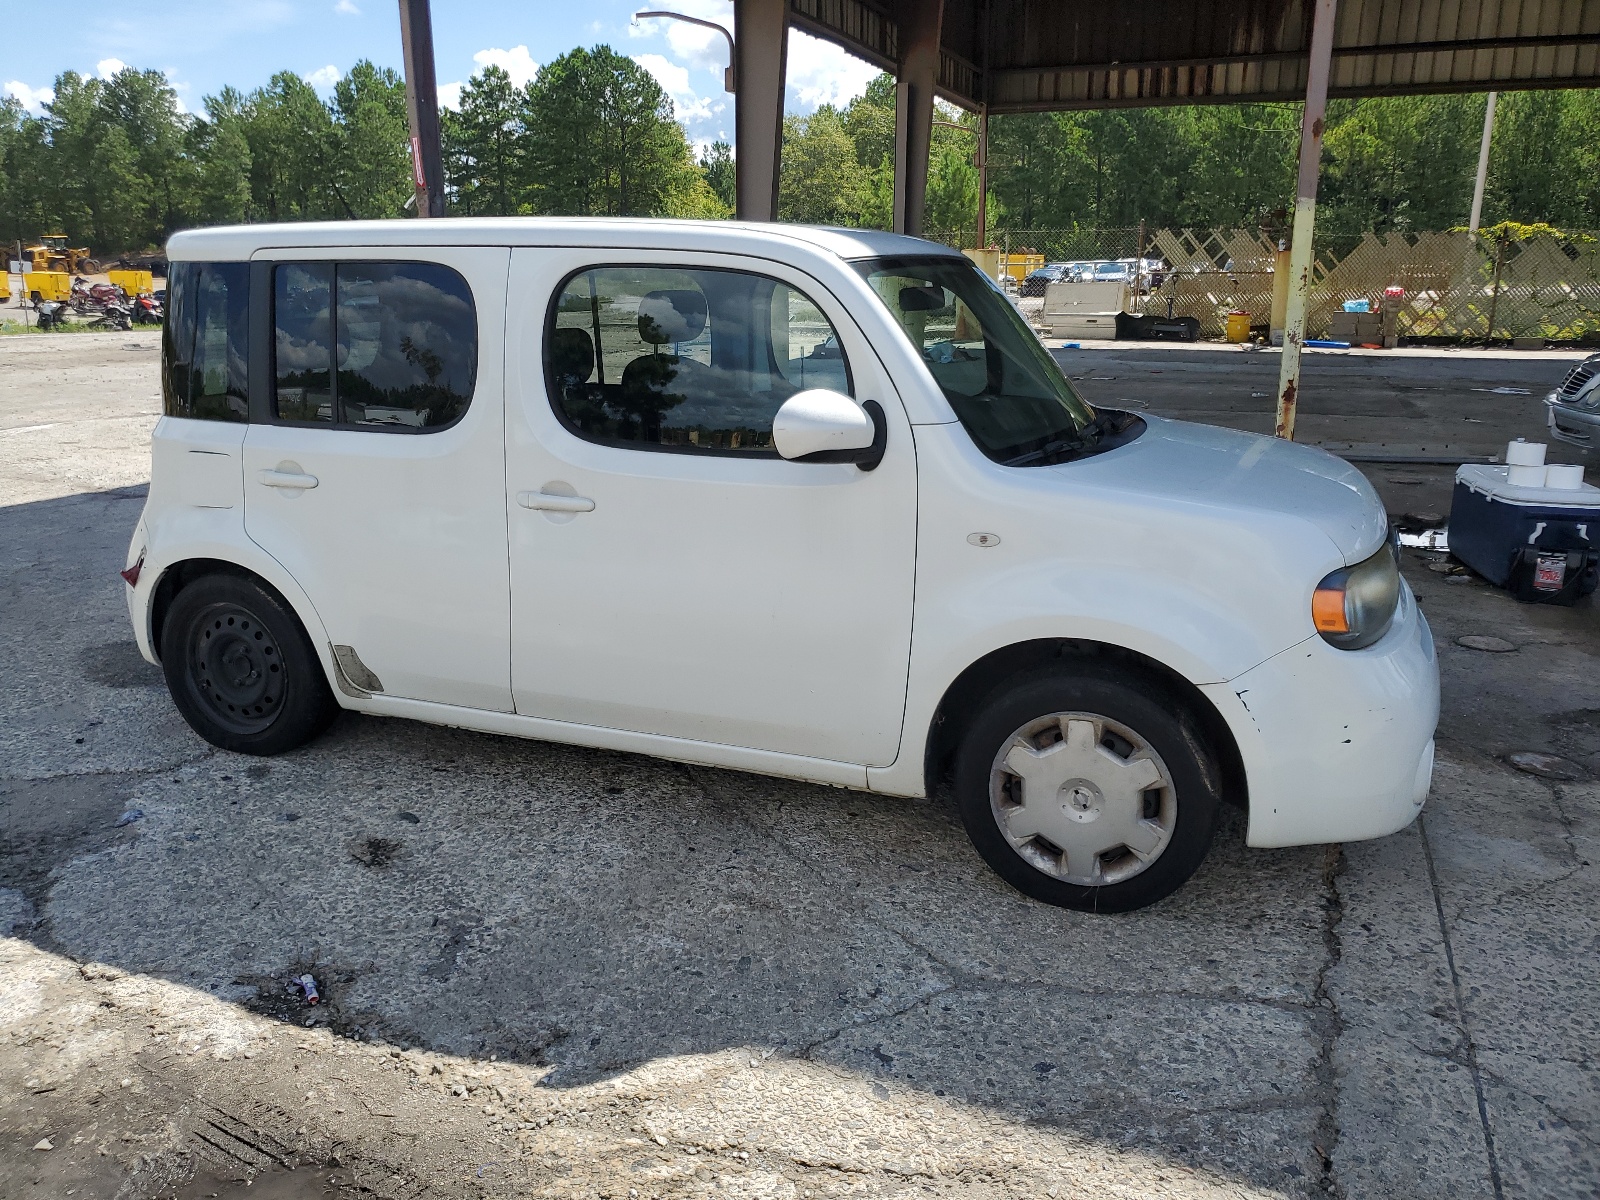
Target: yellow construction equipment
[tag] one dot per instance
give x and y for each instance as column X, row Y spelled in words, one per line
column 134, row 283
column 47, row 285
column 53, row 254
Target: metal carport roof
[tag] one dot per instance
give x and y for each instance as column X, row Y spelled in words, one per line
column 1030, row 55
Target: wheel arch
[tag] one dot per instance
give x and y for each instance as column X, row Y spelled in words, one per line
column 179, row 575
column 966, row 693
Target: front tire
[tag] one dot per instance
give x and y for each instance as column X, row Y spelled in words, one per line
column 1090, row 788
column 241, row 669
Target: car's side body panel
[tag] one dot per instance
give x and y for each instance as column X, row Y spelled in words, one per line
column 402, row 539
column 726, row 598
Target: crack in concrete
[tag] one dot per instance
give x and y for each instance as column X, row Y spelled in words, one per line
column 1461, row 1013
column 1329, row 1023
column 1576, row 1128
column 1465, row 912
column 868, row 1020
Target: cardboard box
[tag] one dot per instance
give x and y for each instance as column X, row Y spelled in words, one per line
column 1356, row 327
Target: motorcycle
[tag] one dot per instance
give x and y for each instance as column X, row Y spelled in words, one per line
column 147, row 310
column 91, row 299
column 49, row 313
column 114, row 316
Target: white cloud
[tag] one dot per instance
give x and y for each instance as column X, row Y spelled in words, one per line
column 515, row 62
column 347, row 8
column 107, row 67
column 450, row 96
column 324, row 77
column 821, row 73
column 33, row 99
column 674, row 80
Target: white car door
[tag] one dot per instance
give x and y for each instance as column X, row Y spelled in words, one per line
column 380, row 486
column 670, row 574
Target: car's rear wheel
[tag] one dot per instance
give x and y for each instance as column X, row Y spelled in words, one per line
column 1089, row 789
column 241, row 669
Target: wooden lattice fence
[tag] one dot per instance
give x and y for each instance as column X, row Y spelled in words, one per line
column 1456, row 285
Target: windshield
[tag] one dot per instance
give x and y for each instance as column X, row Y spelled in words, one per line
column 1008, row 392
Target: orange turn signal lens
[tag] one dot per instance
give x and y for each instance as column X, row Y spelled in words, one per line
column 1327, row 611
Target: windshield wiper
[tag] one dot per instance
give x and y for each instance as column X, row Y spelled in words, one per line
column 1050, row 449
column 1084, row 439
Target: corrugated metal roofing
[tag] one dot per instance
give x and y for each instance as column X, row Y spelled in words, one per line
column 1022, row 55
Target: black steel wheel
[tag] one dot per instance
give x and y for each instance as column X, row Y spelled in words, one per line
column 241, row 669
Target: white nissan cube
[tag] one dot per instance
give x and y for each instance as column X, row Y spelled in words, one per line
column 806, row 502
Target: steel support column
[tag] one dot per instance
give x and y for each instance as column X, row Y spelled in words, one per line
column 1305, row 212
column 918, row 72
column 422, row 106
column 760, row 48
column 1483, row 165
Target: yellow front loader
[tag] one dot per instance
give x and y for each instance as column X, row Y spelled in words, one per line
column 53, row 254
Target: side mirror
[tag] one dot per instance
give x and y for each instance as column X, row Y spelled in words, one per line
column 819, row 425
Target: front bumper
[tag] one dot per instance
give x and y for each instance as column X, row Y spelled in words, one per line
column 1337, row 744
column 1570, row 424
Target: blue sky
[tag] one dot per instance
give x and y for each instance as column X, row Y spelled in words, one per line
column 204, row 44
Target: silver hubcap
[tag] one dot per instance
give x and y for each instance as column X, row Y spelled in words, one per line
column 1083, row 798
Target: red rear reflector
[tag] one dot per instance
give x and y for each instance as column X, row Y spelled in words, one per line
column 132, row 573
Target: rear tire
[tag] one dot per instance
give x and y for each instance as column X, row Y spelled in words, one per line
column 1091, row 788
column 241, row 669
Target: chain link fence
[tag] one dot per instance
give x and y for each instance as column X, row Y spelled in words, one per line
column 1456, row 287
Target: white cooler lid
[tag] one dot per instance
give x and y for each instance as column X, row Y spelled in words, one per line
column 1491, row 481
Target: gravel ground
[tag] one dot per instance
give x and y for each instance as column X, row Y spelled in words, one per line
column 549, row 971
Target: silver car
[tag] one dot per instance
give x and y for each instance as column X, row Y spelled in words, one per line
column 1573, row 409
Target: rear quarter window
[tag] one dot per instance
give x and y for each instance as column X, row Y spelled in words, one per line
column 205, row 352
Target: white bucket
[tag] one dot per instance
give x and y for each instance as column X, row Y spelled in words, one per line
column 1526, row 476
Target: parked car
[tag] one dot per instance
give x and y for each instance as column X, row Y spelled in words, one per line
column 1112, row 272
column 677, row 489
column 1573, row 408
column 1037, row 281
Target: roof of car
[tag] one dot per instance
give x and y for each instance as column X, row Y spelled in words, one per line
column 238, row 242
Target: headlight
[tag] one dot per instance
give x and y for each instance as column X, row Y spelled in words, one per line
column 1354, row 606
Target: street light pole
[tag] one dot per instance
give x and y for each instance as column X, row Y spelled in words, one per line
column 729, row 77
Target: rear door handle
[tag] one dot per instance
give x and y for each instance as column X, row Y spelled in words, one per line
column 294, row 481
column 548, row 502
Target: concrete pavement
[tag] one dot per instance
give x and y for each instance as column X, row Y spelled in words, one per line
column 559, row 972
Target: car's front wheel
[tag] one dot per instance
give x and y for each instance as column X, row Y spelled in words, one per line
column 241, row 669
column 1088, row 788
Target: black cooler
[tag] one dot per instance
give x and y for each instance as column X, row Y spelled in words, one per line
column 1541, row 543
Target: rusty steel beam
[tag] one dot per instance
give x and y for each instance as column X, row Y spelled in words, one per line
column 1305, row 212
column 422, row 106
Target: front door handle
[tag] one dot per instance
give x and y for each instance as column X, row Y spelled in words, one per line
column 549, row 502
column 293, row 481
